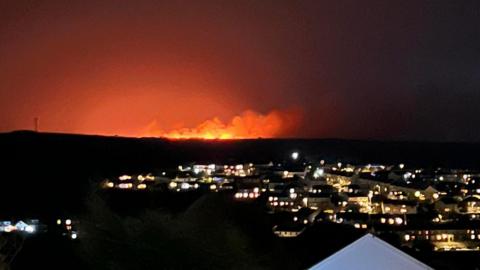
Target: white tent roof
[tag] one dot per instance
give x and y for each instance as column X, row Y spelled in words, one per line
column 370, row 253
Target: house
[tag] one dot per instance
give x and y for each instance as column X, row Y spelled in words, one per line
column 283, row 201
column 395, row 207
column 362, row 200
column 319, row 201
column 470, row 205
column 443, row 239
column 447, row 205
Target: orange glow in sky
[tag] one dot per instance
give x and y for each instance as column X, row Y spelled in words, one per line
column 248, row 125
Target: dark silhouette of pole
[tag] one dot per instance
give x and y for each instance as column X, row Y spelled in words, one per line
column 36, row 123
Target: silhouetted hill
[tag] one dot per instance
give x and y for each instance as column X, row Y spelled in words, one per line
column 103, row 153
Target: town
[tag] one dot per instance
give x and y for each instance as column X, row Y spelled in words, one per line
column 434, row 208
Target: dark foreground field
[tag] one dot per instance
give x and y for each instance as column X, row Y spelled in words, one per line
column 50, row 175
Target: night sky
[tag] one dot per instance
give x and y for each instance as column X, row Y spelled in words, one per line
column 390, row 70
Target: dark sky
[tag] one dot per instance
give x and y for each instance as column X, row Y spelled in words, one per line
column 355, row 69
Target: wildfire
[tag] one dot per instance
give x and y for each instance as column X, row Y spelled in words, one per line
column 247, row 125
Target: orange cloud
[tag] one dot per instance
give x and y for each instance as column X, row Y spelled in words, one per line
column 247, row 125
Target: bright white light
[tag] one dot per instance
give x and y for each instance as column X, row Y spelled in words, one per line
column 68, row 222
column 30, row 229
column 295, row 155
column 305, row 201
column 74, row 235
column 125, row 185
column 124, row 177
column 398, row 220
column 9, row 228
column 318, row 172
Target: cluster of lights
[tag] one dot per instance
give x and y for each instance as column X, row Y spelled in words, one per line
column 275, row 202
column 408, row 175
column 147, row 177
column 126, row 185
column 392, row 221
column 68, row 226
column 281, row 203
column 248, row 194
column 396, row 195
column 360, row 226
column 6, row 226
column 182, row 186
column 129, row 185
column 473, row 235
column 207, row 169
column 343, row 203
column 238, row 170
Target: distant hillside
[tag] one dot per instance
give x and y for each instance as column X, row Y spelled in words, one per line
column 105, row 154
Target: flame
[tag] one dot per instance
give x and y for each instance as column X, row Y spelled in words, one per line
column 247, row 125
